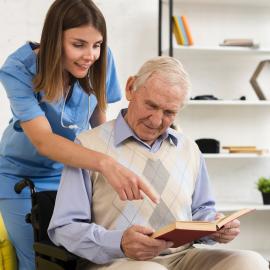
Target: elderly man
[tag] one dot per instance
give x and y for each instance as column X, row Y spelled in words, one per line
column 91, row 221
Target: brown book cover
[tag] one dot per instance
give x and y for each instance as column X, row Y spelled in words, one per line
column 183, row 232
column 247, row 147
column 247, row 151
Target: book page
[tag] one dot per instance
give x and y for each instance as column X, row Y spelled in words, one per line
column 221, row 222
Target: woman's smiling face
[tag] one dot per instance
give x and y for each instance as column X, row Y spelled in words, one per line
column 81, row 48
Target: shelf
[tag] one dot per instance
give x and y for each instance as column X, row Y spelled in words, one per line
column 228, row 103
column 226, row 70
column 230, row 207
column 231, row 156
column 258, row 3
column 219, row 50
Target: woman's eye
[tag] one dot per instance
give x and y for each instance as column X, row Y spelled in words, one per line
column 98, row 45
column 78, row 45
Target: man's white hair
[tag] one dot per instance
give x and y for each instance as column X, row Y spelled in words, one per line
column 168, row 68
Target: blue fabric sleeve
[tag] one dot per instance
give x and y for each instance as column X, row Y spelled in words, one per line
column 23, row 102
column 112, row 84
column 71, row 225
column 203, row 203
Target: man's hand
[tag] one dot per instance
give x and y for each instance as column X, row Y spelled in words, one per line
column 137, row 244
column 228, row 232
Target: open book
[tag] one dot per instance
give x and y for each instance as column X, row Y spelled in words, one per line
column 183, row 232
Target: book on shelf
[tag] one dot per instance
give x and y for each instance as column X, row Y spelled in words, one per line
column 187, row 30
column 241, row 42
column 181, row 31
column 245, row 150
column 177, row 31
column 245, row 147
column 183, row 232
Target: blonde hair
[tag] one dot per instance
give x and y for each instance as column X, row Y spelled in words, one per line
column 170, row 69
column 64, row 15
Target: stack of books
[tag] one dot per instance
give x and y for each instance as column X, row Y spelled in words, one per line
column 245, row 150
column 181, row 31
column 240, row 42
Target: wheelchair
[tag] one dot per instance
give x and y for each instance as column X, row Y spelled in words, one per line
column 47, row 255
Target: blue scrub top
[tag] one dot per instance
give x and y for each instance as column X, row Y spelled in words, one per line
column 18, row 157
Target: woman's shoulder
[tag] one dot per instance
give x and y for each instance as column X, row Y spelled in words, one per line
column 22, row 62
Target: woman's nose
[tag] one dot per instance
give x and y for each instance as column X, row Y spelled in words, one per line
column 90, row 55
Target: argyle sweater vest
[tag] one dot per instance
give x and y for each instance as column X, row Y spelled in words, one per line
column 172, row 171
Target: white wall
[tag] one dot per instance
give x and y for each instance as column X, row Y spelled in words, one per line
column 132, row 34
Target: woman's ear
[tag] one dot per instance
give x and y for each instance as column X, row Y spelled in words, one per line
column 130, row 87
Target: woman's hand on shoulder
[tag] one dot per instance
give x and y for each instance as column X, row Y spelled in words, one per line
column 127, row 184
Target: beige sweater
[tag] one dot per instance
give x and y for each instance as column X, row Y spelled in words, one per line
column 172, row 171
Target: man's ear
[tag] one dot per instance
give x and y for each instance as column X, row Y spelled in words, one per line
column 130, row 87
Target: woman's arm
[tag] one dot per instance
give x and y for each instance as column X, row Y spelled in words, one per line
column 55, row 147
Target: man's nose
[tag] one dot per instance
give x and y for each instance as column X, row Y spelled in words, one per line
column 156, row 118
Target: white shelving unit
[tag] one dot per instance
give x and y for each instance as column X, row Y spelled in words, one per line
column 178, row 50
column 228, row 103
column 252, row 3
column 234, row 156
column 225, row 72
column 230, row 207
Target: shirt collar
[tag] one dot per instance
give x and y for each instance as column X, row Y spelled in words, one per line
column 122, row 132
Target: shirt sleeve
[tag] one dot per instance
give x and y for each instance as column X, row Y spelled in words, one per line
column 17, row 83
column 71, row 225
column 112, row 84
column 203, row 203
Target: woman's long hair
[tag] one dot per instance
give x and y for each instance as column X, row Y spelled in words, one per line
column 64, row 15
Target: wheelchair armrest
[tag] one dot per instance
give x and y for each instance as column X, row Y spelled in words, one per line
column 54, row 252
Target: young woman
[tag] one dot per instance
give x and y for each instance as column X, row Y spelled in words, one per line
column 56, row 88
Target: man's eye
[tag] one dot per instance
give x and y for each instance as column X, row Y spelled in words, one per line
column 168, row 113
column 152, row 107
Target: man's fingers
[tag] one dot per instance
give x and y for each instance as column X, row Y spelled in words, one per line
column 137, row 244
column 150, row 242
column 143, row 230
column 235, row 223
column 149, row 191
column 225, row 235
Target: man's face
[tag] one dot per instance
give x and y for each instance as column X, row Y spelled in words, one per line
column 152, row 108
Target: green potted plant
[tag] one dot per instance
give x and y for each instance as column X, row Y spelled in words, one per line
column 263, row 185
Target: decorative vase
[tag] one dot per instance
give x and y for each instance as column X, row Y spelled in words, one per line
column 266, row 198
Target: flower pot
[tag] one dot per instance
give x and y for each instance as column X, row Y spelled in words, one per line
column 266, row 198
